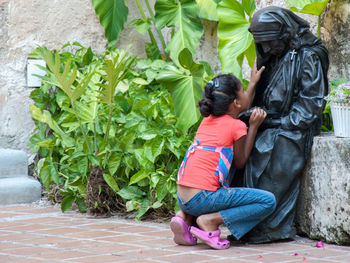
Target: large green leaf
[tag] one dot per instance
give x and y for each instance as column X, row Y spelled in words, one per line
column 111, row 182
column 114, row 70
column 183, row 15
column 249, row 6
column 131, row 192
column 207, row 9
column 153, row 148
column 186, row 89
column 67, row 203
column 311, row 7
column 140, row 175
column 234, row 37
column 114, row 162
column 112, row 14
column 45, row 117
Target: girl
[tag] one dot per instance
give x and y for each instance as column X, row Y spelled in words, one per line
column 203, row 190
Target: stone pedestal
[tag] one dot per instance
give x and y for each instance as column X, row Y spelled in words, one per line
column 323, row 210
column 15, row 185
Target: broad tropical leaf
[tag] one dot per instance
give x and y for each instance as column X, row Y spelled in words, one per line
column 185, row 87
column 207, row 9
column 249, row 7
column 112, row 14
column 311, row 7
column 234, row 37
column 183, row 15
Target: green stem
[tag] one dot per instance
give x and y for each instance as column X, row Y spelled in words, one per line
column 319, row 26
column 109, row 120
column 95, row 138
column 153, row 40
column 82, row 128
column 158, row 30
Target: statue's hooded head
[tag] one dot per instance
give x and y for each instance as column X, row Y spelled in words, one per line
column 277, row 30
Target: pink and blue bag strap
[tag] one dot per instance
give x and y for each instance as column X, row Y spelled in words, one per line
column 224, row 164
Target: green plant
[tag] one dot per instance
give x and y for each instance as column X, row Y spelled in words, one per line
column 106, row 131
column 339, row 91
column 183, row 19
column 311, row 7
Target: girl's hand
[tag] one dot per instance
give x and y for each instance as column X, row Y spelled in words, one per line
column 255, row 74
column 257, row 117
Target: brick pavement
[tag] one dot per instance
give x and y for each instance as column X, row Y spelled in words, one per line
column 34, row 233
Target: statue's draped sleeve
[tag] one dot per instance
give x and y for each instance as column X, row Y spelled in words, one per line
column 308, row 105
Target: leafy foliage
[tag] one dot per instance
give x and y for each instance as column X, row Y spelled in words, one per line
column 139, row 157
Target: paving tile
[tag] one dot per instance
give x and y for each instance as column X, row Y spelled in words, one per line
column 108, row 248
column 27, row 227
column 19, row 237
column 4, row 246
column 136, row 229
column 186, row 258
column 13, row 259
column 99, row 258
column 46, row 241
column 77, row 244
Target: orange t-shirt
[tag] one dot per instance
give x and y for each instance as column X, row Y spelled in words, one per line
column 201, row 164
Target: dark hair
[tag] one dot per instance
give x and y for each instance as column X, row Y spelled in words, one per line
column 218, row 94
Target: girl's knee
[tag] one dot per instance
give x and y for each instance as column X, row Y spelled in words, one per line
column 270, row 201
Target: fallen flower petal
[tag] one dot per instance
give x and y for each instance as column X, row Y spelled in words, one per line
column 260, row 256
column 319, row 244
column 304, row 258
column 296, row 254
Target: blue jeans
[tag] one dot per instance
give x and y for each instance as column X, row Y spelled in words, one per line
column 240, row 208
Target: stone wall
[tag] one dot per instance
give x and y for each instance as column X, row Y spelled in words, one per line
column 26, row 24
column 324, row 203
column 336, row 35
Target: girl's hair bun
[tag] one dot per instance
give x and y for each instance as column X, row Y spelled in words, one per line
column 205, row 107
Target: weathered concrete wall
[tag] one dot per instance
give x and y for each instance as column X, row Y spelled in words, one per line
column 324, row 202
column 23, row 26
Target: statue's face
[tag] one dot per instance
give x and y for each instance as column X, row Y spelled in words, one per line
column 274, row 47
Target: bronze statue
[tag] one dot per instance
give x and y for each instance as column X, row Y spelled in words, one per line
column 291, row 90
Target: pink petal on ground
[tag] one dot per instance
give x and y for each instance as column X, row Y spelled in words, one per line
column 319, row 244
column 260, row 256
column 304, row 258
column 295, row 254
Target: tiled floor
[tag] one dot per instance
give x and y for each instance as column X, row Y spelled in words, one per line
column 31, row 233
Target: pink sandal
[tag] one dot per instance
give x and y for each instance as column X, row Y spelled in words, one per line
column 211, row 238
column 181, row 230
